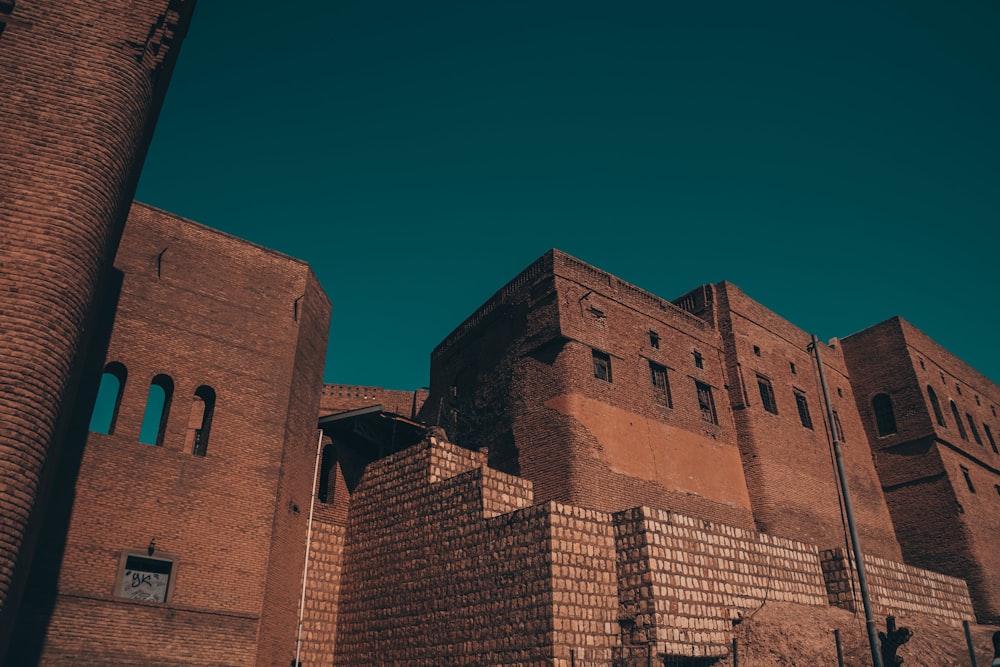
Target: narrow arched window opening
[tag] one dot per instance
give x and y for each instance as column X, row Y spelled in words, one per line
column 154, row 420
column 938, row 415
column 958, row 421
column 200, row 420
column 885, row 417
column 326, row 467
column 109, row 399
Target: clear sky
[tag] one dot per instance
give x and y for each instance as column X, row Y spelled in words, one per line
column 838, row 161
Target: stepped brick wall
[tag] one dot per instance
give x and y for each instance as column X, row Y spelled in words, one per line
column 683, row 581
column 895, row 588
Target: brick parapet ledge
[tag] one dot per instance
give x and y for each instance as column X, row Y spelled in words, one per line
column 895, row 588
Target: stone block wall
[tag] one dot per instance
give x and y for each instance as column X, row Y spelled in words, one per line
column 682, row 581
column 319, row 628
column 895, row 588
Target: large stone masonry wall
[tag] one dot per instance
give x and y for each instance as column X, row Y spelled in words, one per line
column 683, row 581
column 326, row 561
column 450, row 564
column 895, row 588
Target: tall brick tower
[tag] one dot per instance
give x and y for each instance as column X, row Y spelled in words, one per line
column 82, row 85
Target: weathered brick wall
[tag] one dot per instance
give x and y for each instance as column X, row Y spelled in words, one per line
column 895, row 589
column 326, row 560
column 342, row 397
column 443, row 576
column 203, row 308
column 518, row 377
column 82, row 84
column 942, row 489
column 788, row 465
column 682, row 581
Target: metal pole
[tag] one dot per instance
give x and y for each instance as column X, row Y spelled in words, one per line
column 840, row 650
column 968, row 641
column 849, row 511
column 305, row 567
column 736, row 655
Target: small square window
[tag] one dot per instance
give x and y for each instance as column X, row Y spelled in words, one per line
column 698, row 361
column 840, row 392
column 144, row 577
column 791, row 367
column 977, row 400
column 654, row 340
column 922, row 366
column 756, row 350
column 958, row 388
column 602, row 366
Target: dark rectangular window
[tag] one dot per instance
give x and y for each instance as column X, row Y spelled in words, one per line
column 767, row 395
column 968, row 479
column 698, row 361
column 661, row 384
column 791, row 367
column 602, row 366
column 803, row 406
column 706, row 403
column 989, row 436
column 975, row 431
column 654, row 340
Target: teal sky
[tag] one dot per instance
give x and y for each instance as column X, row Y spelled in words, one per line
column 838, row 161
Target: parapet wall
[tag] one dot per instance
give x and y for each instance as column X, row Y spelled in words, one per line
column 895, row 588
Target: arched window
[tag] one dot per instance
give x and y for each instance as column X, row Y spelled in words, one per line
column 154, row 421
column 885, row 418
column 109, row 399
column 958, row 420
column 200, row 420
column 326, row 467
column 936, row 405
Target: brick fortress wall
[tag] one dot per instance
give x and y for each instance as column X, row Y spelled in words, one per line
column 82, row 83
column 203, row 309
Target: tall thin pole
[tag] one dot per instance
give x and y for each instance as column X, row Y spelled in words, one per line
column 305, row 568
column 873, row 640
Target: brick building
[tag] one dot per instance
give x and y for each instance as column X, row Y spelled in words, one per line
column 82, row 86
column 932, row 424
column 183, row 542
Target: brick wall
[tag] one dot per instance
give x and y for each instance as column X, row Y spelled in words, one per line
column 82, row 86
column 683, row 581
column 205, row 309
column 343, row 397
column 518, row 377
column 895, row 589
column 942, row 485
column 788, row 463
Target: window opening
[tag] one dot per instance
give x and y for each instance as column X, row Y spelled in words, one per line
column 756, row 350
column 997, row 487
column 791, row 366
column 803, row 405
column 989, row 436
column 922, row 366
column 326, row 467
column 200, row 420
column 706, row 403
column 109, row 399
column 602, row 366
column 885, row 418
column 767, row 394
column 977, row 400
column 968, row 478
column 958, row 421
column 975, row 431
column 154, row 420
column 698, row 361
column 958, row 389
column 654, row 340
column 145, row 578
column 938, row 415
column 661, row 384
